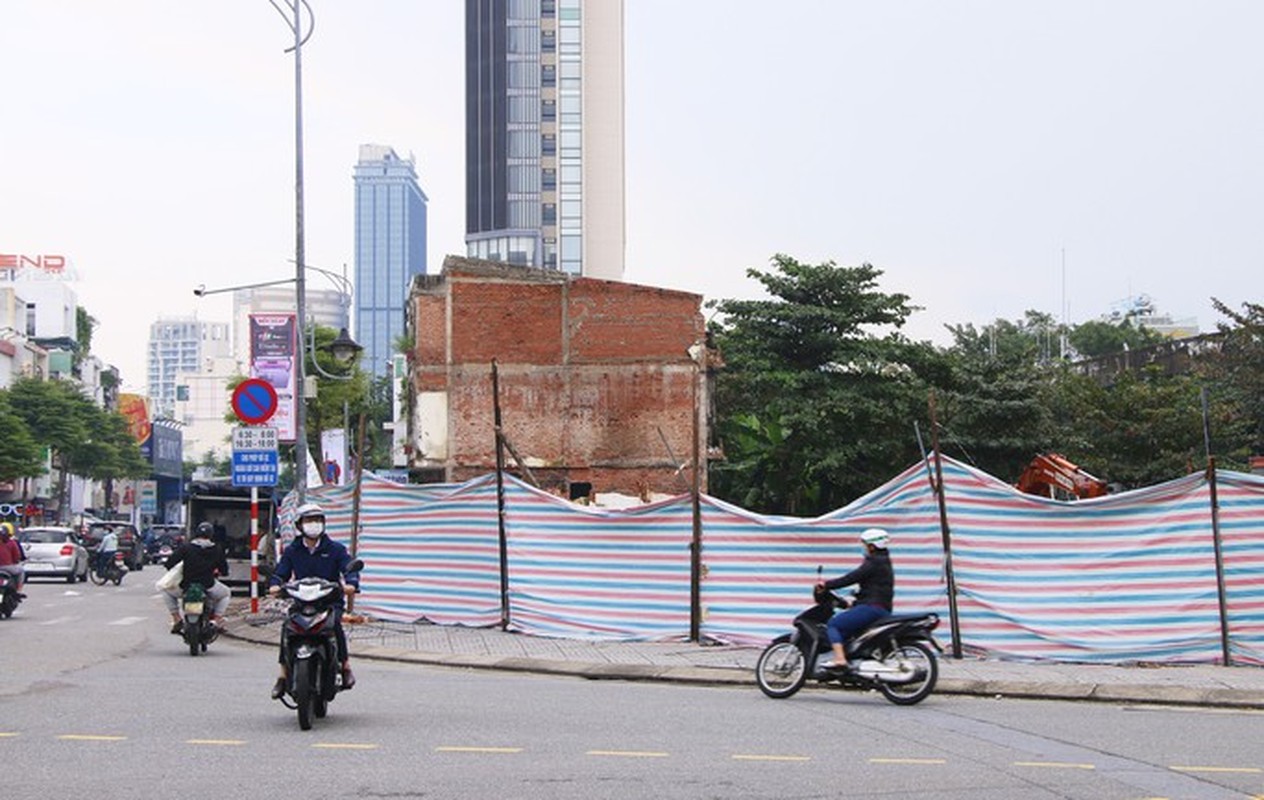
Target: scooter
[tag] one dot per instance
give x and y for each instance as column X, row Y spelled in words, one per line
column 896, row 655
column 310, row 646
column 10, row 597
column 114, row 570
column 197, row 630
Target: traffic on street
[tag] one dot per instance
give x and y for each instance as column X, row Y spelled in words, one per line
column 99, row 698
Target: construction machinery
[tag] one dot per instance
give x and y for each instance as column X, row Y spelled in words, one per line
column 1054, row 475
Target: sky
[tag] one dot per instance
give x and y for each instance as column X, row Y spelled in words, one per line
column 988, row 157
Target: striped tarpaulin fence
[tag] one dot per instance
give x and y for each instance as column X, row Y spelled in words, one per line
column 1128, row 577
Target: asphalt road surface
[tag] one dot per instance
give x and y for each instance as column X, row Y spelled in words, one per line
column 97, row 700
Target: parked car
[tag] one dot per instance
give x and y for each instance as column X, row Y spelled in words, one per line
column 129, row 541
column 54, row 553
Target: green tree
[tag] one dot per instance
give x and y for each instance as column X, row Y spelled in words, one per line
column 1234, row 376
column 1143, row 428
column 995, row 413
column 85, row 439
column 21, row 456
column 1096, row 338
column 820, row 390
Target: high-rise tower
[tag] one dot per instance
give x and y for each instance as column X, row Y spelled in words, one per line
column 544, row 134
column 390, row 248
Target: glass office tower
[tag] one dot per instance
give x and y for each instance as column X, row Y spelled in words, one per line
column 544, row 134
column 390, row 248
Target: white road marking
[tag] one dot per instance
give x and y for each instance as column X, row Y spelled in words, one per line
column 128, row 621
column 58, row 620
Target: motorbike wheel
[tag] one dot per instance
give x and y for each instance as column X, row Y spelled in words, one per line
column 781, row 670
column 99, row 578
column 919, row 659
column 6, row 608
column 191, row 636
column 303, row 694
column 117, row 577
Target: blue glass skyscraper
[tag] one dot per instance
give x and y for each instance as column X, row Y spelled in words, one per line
column 390, row 248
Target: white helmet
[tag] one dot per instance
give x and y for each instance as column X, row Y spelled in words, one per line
column 309, row 511
column 876, row 537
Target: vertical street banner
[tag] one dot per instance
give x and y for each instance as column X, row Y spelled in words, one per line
column 333, row 454
column 273, row 350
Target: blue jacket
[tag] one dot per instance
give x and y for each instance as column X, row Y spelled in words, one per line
column 329, row 561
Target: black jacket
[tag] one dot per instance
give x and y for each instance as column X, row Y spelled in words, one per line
column 202, row 560
column 876, row 580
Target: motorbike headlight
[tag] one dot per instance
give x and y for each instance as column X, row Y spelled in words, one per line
column 309, row 611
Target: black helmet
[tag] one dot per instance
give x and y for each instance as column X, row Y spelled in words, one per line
column 204, row 529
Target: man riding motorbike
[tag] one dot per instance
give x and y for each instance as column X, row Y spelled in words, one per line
column 313, row 554
column 876, row 581
column 203, row 562
column 106, row 550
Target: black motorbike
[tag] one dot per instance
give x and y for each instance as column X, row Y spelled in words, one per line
column 196, row 627
column 310, row 647
column 10, row 598
column 895, row 655
column 113, row 570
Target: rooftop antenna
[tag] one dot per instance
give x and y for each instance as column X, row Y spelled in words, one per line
column 1062, row 338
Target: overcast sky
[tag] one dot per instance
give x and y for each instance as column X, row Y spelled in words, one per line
column 960, row 147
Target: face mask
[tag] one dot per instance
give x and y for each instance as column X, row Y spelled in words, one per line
column 313, row 528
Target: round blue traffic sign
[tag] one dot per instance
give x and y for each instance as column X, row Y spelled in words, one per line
column 254, row 401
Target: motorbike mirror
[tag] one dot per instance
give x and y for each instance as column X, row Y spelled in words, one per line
column 355, row 566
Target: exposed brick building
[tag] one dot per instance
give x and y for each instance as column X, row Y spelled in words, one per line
column 597, row 382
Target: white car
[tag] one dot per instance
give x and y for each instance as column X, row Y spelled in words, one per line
column 54, row 553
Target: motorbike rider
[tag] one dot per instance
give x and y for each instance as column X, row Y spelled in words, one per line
column 106, row 550
column 11, row 556
column 313, row 554
column 876, row 589
column 204, row 561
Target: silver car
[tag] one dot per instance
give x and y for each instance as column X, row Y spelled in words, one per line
column 54, row 553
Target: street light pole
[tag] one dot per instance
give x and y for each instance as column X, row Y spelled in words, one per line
column 295, row 21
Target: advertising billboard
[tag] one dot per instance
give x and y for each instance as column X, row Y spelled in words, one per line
column 273, row 354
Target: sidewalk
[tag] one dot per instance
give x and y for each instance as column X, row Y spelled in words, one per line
column 686, row 662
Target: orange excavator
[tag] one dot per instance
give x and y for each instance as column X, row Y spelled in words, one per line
column 1053, row 475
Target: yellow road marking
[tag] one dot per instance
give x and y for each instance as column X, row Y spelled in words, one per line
column 770, row 758
column 1248, row 770
column 1053, row 764
column 6, row 735
column 907, row 761
column 343, row 746
column 454, row 749
column 627, row 753
column 79, row 737
column 226, row 742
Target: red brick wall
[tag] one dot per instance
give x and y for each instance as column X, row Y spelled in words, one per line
column 590, row 371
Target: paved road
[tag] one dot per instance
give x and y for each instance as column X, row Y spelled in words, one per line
column 119, row 709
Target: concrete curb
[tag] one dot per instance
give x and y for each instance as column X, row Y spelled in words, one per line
column 1151, row 694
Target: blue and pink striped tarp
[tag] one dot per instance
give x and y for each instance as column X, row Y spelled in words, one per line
column 1124, row 578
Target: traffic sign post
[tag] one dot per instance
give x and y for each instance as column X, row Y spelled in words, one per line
column 255, row 464
column 254, row 401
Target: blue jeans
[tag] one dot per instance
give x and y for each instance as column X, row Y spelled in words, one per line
column 846, row 624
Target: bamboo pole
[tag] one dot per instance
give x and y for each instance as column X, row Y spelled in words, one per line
column 355, row 515
column 500, row 500
column 1217, row 545
column 953, row 617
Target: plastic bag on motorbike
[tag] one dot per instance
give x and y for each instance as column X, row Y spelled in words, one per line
column 170, row 580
